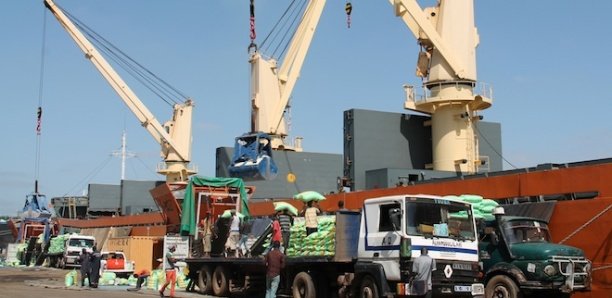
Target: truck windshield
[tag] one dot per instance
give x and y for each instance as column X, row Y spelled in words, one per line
column 439, row 218
column 87, row 243
column 526, row 231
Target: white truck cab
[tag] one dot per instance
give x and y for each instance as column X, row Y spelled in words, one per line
column 395, row 228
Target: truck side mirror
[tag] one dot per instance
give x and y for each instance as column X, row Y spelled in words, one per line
column 395, row 215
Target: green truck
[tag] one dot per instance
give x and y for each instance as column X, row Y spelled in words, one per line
column 518, row 259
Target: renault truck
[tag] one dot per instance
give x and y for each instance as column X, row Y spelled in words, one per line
column 372, row 256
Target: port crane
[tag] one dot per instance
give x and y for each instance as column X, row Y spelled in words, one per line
column 447, row 63
column 271, row 87
column 174, row 136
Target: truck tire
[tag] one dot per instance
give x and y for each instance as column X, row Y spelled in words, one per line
column 205, row 280
column 220, row 281
column 368, row 288
column 502, row 286
column 303, row 286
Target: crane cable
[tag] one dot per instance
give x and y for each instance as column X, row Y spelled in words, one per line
column 348, row 7
column 39, row 110
column 252, row 33
column 162, row 89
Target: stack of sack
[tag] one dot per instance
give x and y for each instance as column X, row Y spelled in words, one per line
column 158, row 278
column 321, row 243
column 483, row 208
column 56, row 245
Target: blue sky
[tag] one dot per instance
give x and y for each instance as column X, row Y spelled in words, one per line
column 548, row 62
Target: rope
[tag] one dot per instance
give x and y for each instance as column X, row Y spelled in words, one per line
column 480, row 135
column 39, row 110
column 586, row 224
column 603, row 267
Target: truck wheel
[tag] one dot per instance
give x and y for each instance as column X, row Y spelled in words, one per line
column 368, row 288
column 220, row 281
column 205, row 280
column 502, row 286
column 303, row 286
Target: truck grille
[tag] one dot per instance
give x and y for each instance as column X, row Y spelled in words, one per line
column 576, row 270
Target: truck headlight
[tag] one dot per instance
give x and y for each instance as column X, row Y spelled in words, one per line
column 550, row 270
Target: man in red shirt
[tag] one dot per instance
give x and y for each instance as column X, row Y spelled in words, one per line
column 141, row 275
column 275, row 262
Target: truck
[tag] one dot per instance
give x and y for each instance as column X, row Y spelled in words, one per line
column 372, row 255
column 518, row 258
column 116, row 262
column 64, row 250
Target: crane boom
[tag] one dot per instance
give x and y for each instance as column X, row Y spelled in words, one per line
column 271, row 86
column 174, row 136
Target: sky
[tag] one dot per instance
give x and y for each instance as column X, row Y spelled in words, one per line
column 548, row 62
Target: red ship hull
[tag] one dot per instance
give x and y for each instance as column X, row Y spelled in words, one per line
column 586, row 223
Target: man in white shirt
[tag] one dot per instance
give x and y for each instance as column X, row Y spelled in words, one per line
column 423, row 266
column 234, row 234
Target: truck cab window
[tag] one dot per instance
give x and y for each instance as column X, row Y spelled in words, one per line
column 452, row 220
column 388, row 218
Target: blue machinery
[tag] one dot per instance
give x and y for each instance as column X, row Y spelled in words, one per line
column 252, row 158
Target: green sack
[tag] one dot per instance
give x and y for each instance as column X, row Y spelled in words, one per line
column 280, row 206
column 472, row 198
column 69, row 279
column 308, row 196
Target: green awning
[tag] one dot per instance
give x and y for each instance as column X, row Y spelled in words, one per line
column 188, row 214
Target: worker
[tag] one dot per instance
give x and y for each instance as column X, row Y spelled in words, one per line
column 96, row 260
column 277, row 235
column 170, row 266
column 234, row 234
column 341, row 205
column 275, row 262
column 141, row 275
column 206, row 231
column 286, row 221
column 84, row 260
column 310, row 218
column 422, row 268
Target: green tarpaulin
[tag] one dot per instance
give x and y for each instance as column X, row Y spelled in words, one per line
column 188, row 213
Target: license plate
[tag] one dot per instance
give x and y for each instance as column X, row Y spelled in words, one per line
column 463, row 288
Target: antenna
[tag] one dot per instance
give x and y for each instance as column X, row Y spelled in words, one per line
column 123, row 153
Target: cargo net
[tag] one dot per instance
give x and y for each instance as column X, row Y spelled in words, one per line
column 321, row 243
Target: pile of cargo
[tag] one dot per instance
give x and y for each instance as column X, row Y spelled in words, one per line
column 158, row 277
column 154, row 282
column 321, row 243
column 56, row 245
column 483, row 208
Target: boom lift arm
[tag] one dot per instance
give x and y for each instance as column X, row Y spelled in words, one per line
column 174, row 136
column 271, row 88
